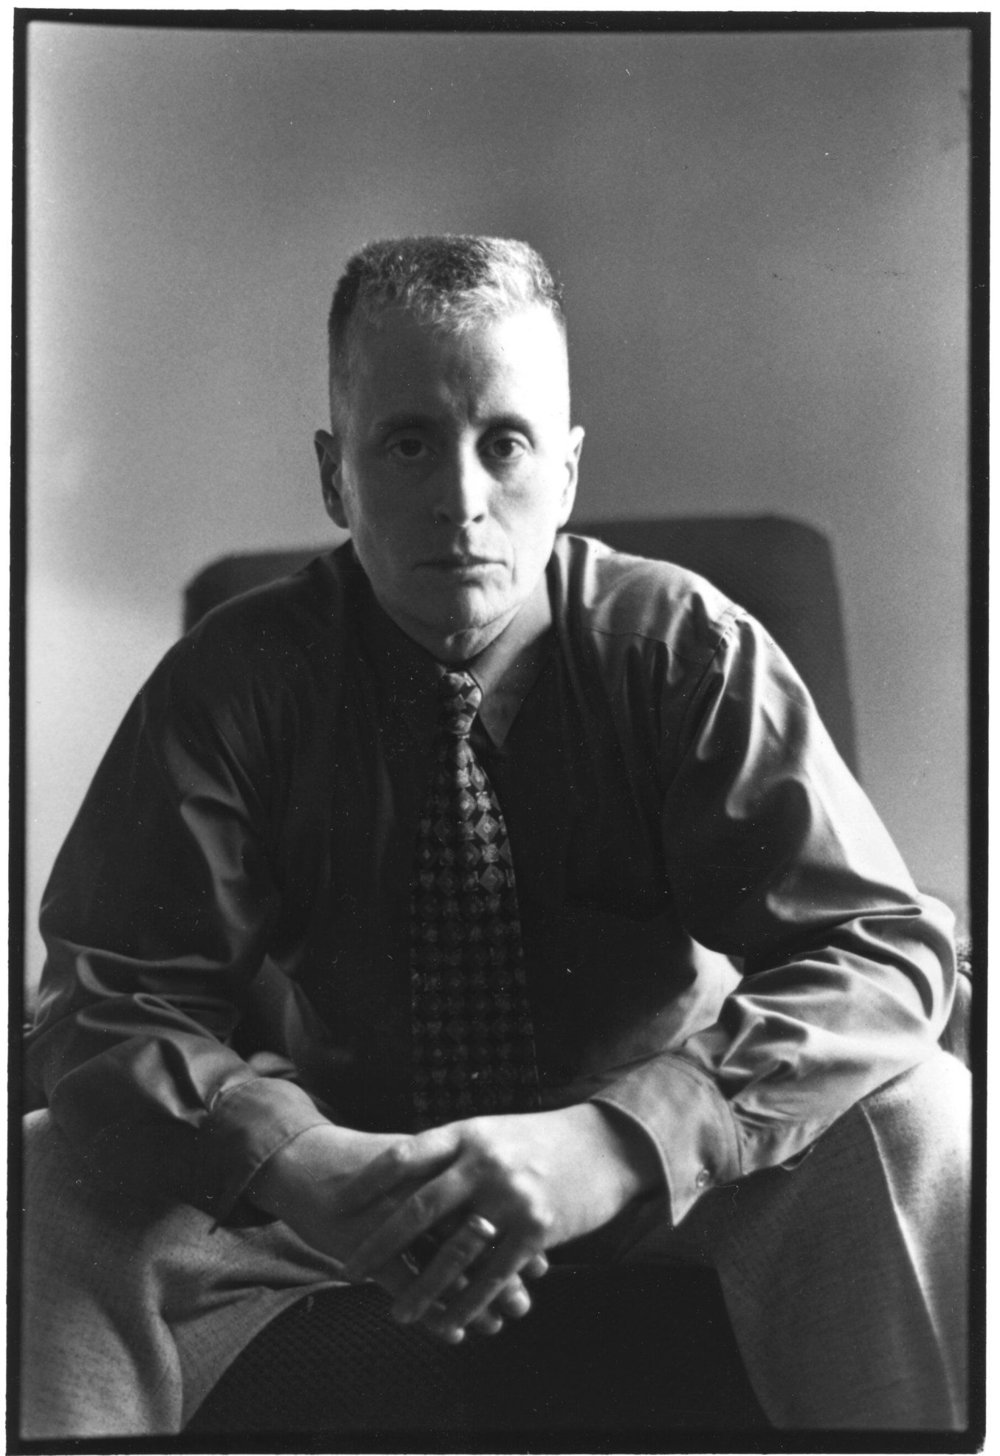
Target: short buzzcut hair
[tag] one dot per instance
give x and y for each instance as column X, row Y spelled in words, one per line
column 450, row 282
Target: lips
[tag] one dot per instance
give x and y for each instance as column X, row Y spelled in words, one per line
column 458, row 562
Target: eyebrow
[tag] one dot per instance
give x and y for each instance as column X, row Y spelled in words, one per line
column 512, row 422
column 409, row 421
column 405, row 422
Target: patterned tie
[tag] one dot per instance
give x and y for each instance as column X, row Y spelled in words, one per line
column 473, row 1043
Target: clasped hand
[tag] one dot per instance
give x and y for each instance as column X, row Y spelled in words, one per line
column 538, row 1178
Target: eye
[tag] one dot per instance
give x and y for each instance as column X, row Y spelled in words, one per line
column 506, row 448
column 408, row 447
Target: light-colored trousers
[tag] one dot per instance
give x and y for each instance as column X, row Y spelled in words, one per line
column 846, row 1279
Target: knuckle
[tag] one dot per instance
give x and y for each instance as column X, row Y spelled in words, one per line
column 535, row 1216
column 538, row 1222
column 435, row 1142
column 477, row 1145
column 400, row 1154
column 524, row 1188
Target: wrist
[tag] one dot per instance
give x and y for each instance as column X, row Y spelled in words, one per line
column 631, row 1150
column 313, row 1157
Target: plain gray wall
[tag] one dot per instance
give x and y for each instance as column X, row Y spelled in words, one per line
column 763, row 240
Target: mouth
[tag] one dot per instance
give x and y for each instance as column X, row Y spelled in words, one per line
column 458, row 562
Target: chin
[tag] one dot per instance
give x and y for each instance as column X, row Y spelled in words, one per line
column 478, row 613
column 459, row 626
column 462, row 635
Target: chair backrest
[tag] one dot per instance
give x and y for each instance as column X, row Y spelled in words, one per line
column 780, row 570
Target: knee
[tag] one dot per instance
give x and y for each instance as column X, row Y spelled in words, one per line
column 926, row 1113
column 905, row 1146
column 55, row 1195
column 50, row 1165
column 36, row 1126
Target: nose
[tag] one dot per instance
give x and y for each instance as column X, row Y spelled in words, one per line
column 462, row 490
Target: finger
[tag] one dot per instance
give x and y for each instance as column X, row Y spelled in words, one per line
column 513, row 1301
column 438, row 1322
column 417, row 1257
column 404, row 1224
column 397, row 1276
column 490, row 1322
column 470, row 1241
column 536, row 1267
column 488, row 1280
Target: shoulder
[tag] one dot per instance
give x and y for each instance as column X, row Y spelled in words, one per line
column 281, row 641
column 299, row 617
column 611, row 595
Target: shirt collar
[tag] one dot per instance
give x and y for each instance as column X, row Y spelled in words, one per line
column 506, row 670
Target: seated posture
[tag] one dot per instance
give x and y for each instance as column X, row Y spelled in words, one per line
column 475, row 895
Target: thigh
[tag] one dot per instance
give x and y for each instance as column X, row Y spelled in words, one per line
column 132, row 1307
column 846, row 1277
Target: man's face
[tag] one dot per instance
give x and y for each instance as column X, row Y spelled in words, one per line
column 453, row 467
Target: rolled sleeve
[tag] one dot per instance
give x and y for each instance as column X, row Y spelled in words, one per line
column 247, row 1125
column 778, row 859
column 157, row 920
column 209, row 1165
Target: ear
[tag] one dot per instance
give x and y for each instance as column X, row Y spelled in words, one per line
column 572, row 473
column 329, row 454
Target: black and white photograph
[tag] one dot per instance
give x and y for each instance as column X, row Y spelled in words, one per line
column 497, row 503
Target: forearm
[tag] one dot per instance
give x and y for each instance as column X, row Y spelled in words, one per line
column 796, row 1045
column 776, row 858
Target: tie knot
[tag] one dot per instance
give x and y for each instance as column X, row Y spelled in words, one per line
column 460, row 697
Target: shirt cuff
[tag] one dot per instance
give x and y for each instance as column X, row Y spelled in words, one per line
column 688, row 1121
column 209, row 1165
column 248, row 1124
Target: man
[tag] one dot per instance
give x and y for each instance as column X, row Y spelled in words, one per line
column 397, row 936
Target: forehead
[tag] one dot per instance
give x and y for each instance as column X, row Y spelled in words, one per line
column 517, row 360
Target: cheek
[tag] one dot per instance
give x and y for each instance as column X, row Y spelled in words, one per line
column 377, row 512
column 391, row 538
column 531, row 539
column 533, row 510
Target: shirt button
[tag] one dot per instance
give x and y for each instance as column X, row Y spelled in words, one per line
column 703, row 1179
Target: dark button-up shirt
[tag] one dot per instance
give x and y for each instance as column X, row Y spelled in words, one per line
column 721, row 939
